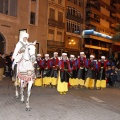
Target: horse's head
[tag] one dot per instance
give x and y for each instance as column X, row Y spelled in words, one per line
column 30, row 52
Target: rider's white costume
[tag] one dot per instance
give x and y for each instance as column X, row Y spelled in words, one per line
column 20, row 47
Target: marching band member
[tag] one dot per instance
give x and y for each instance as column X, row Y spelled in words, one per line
column 46, row 64
column 81, row 63
column 18, row 52
column 54, row 71
column 63, row 76
column 38, row 71
column 101, row 82
column 91, row 74
column 73, row 66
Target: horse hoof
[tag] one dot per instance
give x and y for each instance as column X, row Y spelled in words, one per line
column 22, row 102
column 28, row 109
column 16, row 97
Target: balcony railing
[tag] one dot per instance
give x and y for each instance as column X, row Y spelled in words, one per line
column 51, row 43
column 75, row 18
column 55, row 23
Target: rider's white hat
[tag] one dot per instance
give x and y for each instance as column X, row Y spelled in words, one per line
column 25, row 35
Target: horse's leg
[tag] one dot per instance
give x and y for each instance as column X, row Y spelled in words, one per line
column 28, row 94
column 16, row 90
column 22, row 90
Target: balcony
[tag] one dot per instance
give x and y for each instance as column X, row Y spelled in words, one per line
column 75, row 18
column 112, row 27
column 109, row 7
column 89, row 5
column 89, row 18
column 51, row 43
column 55, row 23
column 116, row 3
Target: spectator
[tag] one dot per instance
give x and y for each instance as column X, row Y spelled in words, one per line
column 2, row 65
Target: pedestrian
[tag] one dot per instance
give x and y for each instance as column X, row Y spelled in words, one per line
column 2, row 66
column 63, row 76
column 109, row 73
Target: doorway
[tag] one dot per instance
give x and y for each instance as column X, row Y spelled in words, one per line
column 2, row 43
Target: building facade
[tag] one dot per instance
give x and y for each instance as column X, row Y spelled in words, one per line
column 100, row 17
column 56, row 26
column 74, row 26
column 16, row 17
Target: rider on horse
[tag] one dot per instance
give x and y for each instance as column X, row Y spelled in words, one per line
column 18, row 52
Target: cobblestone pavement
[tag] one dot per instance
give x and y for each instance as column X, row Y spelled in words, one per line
column 48, row 104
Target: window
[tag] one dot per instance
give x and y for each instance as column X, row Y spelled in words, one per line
column 80, row 3
column 59, row 1
column 32, row 18
column 75, row 2
column 4, row 6
column 8, row 7
column 60, row 16
column 52, row 13
column 73, row 11
column 51, row 34
column 59, row 36
column 73, row 27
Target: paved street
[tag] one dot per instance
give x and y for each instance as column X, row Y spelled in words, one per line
column 48, row 104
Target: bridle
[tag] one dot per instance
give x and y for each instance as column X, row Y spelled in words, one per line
column 30, row 56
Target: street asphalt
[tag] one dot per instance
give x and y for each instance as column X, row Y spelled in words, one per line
column 47, row 104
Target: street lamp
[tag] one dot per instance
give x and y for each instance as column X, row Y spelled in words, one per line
column 72, row 42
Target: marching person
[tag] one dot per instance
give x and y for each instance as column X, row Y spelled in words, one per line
column 91, row 72
column 54, row 71
column 46, row 64
column 81, row 64
column 73, row 66
column 63, row 76
column 18, row 52
column 38, row 71
column 101, row 82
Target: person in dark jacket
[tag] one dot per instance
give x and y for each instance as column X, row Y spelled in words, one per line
column 2, row 66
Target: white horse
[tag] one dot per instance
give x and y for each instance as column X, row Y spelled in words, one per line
column 26, row 72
